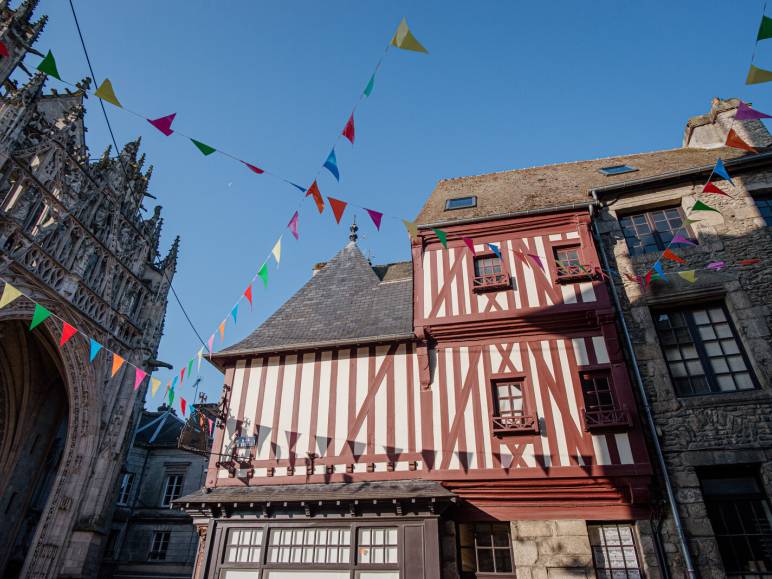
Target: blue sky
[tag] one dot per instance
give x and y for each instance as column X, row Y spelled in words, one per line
column 507, row 85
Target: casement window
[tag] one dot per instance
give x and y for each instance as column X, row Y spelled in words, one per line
column 652, row 231
column 741, row 517
column 124, row 492
column 159, row 546
column 489, row 273
column 377, row 545
column 461, row 203
column 601, row 409
column 764, row 205
column 614, row 551
column 310, row 545
column 172, row 489
column 244, row 545
column 568, row 262
column 702, row 350
column 485, row 549
column 513, row 406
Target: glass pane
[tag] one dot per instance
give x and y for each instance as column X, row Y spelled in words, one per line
column 717, row 315
column 707, row 333
column 736, row 363
column 725, row 383
column 724, row 331
column 700, row 317
column 719, row 365
column 743, row 381
column 713, row 349
column 730, row 347
column 485, row 560
column 503, row 561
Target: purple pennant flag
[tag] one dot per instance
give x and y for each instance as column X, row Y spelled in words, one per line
column 293, row 226
column 716, row 265
column 376, row 217
column 683, row 240
column 537, row 259
column 746, row 113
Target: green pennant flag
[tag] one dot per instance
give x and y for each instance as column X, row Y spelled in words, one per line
column 190, row 367
column 41, row 315
column 205, row 149
column 443, row 237
column 48, row 66
column 370, row 85
column 171, row 396
column 263, row 273
column 700, row 206
column 765, row 28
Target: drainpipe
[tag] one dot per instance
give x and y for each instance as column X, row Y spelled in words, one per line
column 690, row 571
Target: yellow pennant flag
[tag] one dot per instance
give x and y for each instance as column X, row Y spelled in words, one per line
column 758, row 75
column 10, row 293
column 277, row 251
column 411, row 227
column 689, row 276
column 154, row 384
column 117, row 363
column 106, row 93
column 405, row 40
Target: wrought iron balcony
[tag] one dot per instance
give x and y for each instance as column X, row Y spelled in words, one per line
column 491, row 282
column 515, row 424
column 610, row 418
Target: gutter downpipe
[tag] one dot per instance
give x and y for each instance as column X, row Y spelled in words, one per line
column 690, row 571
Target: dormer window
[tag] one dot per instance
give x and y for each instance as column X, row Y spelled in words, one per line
column 461, row 203
column 617, row 169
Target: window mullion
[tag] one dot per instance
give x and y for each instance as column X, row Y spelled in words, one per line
column 701, row 352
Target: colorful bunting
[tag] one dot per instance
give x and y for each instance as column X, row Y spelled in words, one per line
column 348, row 130
column 376, row 217
column 10, row 293
column 733, row 140
column 211, row 425
column 442, row 236
column 276, row 251
column 39, row 316
column 235, row 312
column 139, row 375
column 716, row 265
column 470, row 244
column 174, row 382
column 331, row 164
column 749, row 261
column 647, row 278
column 495, row 249
column 303, row 189
column 412, row 228
column 262, row 273
column 682, row 240
column 765, row 28
column 106, row 93
column 248, row 295
column 669, row 254
column 689, row 221
column 154, row 385
column 190, row 367
column 658, row 268
column 183, row 405
column 711, row 188
column 746, row 113
column 721, row 171
column 758, row 75
column 221, row 328
column 338, row 207
column 537, row 259
column 690, row 275
column 210, row 344
column 171, row 396
column 258, row 170
column 700, row 206
column 48, row 66
column 163, row 124
column 67, row 332
column 314, row 192
column 199, row 356
column 205, row 149
column 182, row 375
column 293, row 226
column 405, row 40
column 4, row 52
column 94, row 348
column 117, row 363
column 370, row 84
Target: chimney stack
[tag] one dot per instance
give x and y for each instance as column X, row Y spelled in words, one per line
column 709, row 131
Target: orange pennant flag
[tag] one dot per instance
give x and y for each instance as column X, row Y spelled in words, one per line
column 338, row 207
column 117, row 363
column 222, row 330
column 67, row 332
column 733, row 140
column 248, row 294
column 313, row 190
column 672, row 256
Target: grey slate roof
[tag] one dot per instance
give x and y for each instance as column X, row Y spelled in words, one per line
column 161, row 428
column 347, row 301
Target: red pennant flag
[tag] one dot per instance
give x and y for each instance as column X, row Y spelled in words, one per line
column 376, row 217
column 711, row 188
column 248, row 294
column 67, row 332
column 469, row 244
column 313, row 191
column 163, row 124
column 647, row 279
column 182, row 375
column 348, row 130
column 749, row 261
column 338, row 207
column 733, row 140
column 183, row 405
column 4, row 50
column 254, row 169
column 672, row 256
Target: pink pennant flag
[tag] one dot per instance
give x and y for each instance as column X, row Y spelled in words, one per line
column 211, row 425
column 254, row 169
column 683, row 240
column 746, row 113
column 293, row 226
column 470, row 244
column 376, row 217
column 210, row 343
column 537, row 259
column 163, row 124
column 139, row 375
column 348, row 130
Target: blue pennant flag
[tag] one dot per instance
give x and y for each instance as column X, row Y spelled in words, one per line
column 331, row 164
column 494, row 249
column 303, row 189
column 235, row 312
column 174, row 382
column 95, row 347
column 658, row 268
column 722, row 172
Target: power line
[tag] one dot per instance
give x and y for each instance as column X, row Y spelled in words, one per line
column 123, row 168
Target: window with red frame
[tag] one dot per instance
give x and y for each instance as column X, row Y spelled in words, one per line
column 568, row 260
column 601, row 410
column 513, row 411
column 487, row 265
column 489, row 273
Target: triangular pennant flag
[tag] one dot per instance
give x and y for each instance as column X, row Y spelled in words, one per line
column 248, row 294
column 182, row 375
column 657, row 267
column 716, row 265
column 412, row 228
column 683, row 240
column 689, row 221
column 293, row 226
column 749, row 261
column 154, row 385
column 522, row 257
column 139, row 375
column 174, row 382
column 171, row 396
column 262, row 432
column 322, row 442
column 405, row 40
column 276, row 251
column 94, row 349
column 470, row 244
column 690, row 275
column 200, row 356
column 48, row 66
column 506, row 460
column 221, row 328
column 211, row 425
column 537, row 259
column 106, row 93
column 183, row 405
column 235, row 313
column 338, row 207
column 204, row 148
column 442, row 236
column 647, row 278
column 376, row 217
column 495, row 249
column 746, row 113
column 721, row 171
column 163, row 124
column 758, row 75
column 765, row 28
column 370, row 86
column 263, row 274
column 733, row 140
column 314, row 192
column 700, row 206
column 331, row 164
column 303, row 189
column 711, row 188
column 357, row 448
column 10, row 293
column 117, row 363
column 67, row 332
column 672, row 256
column 4, row 52
column 253, row 168
column 39, row 316
column 210, row 343
column 348, row 130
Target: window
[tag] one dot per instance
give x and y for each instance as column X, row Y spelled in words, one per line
column 652, row 231
column 600, row 407
column 513, row 409
column 485, row 548
column 124, row 493
column 764, row 205
column 613, row 551
column 378, row 546
column 489, row 273
column 460, row 203
column 159, row 546
column 243, row 545
column 741, row 518
column 172, row 489
column 617, row 169
column 310, row 545
column 569, row 264
column 702, row 351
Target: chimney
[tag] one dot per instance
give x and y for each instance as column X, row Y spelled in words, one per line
column 318, row 267
column 709, row 131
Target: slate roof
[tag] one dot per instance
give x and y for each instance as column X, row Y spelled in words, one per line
column 161, row 428
column 552, row 186
column 347, row 301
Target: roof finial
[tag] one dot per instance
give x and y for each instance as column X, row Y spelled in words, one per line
column 353, row 231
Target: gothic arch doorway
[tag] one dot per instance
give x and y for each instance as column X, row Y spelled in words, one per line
column 34, row 414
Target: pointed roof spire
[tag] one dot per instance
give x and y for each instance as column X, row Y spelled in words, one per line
column 25, row 10
column 353, row 231
column 170, row 261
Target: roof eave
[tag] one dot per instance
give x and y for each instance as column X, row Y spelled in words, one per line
column 511, row 214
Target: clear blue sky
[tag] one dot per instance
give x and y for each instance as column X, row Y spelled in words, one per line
column 507, row 85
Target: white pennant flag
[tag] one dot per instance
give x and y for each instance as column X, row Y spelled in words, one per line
column 277, row 251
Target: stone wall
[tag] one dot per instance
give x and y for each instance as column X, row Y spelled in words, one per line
column 551, row 549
